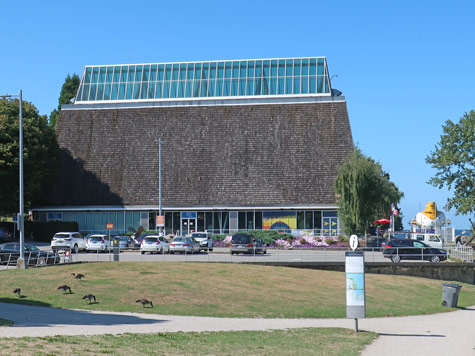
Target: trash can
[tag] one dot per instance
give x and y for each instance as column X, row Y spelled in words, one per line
column 450, row 294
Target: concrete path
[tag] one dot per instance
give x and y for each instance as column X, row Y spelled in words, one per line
column 447, row 333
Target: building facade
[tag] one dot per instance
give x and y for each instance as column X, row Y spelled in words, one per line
column 248, row 144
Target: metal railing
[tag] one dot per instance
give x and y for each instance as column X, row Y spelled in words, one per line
column 32, row 259
column 464, row 253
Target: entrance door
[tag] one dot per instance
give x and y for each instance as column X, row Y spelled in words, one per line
column 188, row 223
column 330, row 226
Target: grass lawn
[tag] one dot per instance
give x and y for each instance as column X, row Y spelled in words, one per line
column 312, row 341
column 230, row 290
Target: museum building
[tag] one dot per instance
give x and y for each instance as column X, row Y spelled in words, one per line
column 244, row 144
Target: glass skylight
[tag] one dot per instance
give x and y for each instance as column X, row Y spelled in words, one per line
column 262, row 77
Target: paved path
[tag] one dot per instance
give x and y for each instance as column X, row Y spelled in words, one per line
column 447, row 333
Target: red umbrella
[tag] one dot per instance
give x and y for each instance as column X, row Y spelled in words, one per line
column 382, row 221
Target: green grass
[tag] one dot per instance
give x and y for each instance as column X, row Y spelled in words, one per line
column 5, row 322
column 328, row 342
column 222, row 290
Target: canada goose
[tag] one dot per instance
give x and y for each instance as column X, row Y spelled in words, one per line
column 89, row 298
column 144, row 302
column 78, row 276
column 64, row 287
column 17, row 291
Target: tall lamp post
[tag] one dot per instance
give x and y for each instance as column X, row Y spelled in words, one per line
column 160, row 179
column 20, row 216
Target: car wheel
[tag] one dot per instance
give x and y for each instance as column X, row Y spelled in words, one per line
column 435, row 259
column 142, row 252
column 76, row 248
column 41, row 261
column 210, row 250
column 172, row 252
column 396, row 258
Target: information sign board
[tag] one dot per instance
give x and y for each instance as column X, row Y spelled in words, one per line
column 355, row 285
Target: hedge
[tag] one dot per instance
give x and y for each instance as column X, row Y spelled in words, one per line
column 44, row 230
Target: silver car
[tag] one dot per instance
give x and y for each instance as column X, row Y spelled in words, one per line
column 154, row 243
column 185, row 245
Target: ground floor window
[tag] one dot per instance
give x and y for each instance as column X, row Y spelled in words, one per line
column 321, row 222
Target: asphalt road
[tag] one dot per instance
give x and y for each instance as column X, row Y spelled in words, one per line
column 223, row 255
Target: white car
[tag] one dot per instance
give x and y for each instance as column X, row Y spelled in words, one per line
column 73, row 241
column 98, row 242
column 205, row 240
column 154, row 243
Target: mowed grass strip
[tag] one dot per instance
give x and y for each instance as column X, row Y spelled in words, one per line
column 321, row 341
column 222, row 290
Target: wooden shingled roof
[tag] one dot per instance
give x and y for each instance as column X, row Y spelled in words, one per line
column 242, row 155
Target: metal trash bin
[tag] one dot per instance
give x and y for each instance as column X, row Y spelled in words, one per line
column 450, row 294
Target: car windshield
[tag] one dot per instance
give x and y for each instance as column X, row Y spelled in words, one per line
column 241, row 239
column 61, row 236
column 178, row 239
column 198, row 236
column 150, row 239
column 123, row 238
column 31, row 248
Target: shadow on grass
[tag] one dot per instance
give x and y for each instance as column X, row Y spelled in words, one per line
column 34, row 314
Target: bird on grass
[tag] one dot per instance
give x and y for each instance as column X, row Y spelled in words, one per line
column 64, row 287
column 17, row 291
column 89, row 298
column 78, row 276
column 144, row 302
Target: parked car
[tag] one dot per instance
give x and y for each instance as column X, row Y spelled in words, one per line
column 185, row 245
column 10, row 252
column 260, row 246
column 154, row 243
column 409, row 249
column 98, row 242
column 242, row 243
column 68, row 240
column 6, row 235
column 205, row 240
column 125, row 241
column 138, row 240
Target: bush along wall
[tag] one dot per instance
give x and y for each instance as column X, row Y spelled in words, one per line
column 44, row 230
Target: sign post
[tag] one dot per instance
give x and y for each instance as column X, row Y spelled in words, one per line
column 160, row 221
column 355, row 283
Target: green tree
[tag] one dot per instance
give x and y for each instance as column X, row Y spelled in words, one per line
column 454, row 160
column 40, row 154
column 68, row 91
column 364, row 192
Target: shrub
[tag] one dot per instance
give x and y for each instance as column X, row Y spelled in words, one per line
column 44, row 230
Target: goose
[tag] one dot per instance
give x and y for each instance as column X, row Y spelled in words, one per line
column 78, row 276
column 64, row 287
column 144, row 302
column 17, row 291
column 89, row 298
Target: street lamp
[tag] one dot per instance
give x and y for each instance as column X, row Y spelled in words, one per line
column 160, row 179
column 20, row 219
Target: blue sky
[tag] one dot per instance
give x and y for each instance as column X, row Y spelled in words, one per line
column 404, row 67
